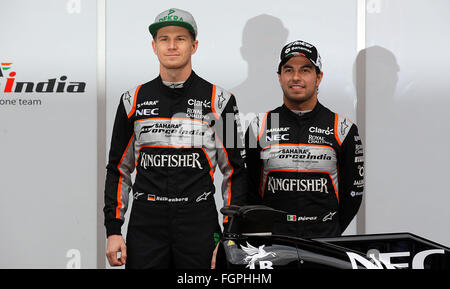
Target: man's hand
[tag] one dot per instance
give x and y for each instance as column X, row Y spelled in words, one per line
column 115, row 245
column 213, row 260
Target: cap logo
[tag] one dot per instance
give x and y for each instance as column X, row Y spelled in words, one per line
column 302, row 48
column 302, row 43
column 174, row 16
column 297, row 48
column 295, row 54
column 171, row 18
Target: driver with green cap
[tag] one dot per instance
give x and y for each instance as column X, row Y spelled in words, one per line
column 175, row 17
column 173, row 131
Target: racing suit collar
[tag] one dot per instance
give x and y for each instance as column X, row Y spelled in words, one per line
column 304, row 116
column 185, row 86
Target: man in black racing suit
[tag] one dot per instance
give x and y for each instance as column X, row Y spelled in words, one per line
column 172, row 132
column 302, row 157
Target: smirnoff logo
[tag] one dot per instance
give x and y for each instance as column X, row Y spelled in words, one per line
column 9, row 83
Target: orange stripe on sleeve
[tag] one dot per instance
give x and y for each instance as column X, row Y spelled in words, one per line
column 119, row 187
column 261, row 131
column 133, row 109
column 213, row 102
column 211, row 171
column 229, row 178
column 336, row 121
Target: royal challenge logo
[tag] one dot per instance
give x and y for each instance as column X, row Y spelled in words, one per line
column 12, row 86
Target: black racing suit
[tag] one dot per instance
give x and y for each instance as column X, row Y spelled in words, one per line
column 173, row 138
column 310, row 166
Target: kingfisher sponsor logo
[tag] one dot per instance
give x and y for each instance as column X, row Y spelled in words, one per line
column 170, row 161
column 300, row 185
column 52, row 85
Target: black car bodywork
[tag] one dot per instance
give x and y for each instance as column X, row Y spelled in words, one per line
column 248, row 243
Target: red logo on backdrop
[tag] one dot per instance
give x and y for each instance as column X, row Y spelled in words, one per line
column 52, row 85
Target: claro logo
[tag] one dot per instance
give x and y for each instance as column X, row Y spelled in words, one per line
column 379, row 260
column 52, row 85
column 327, row 131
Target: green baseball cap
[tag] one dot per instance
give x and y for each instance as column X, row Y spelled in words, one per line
column 174, row 17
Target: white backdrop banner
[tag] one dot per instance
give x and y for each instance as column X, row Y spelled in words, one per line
column 48, row 143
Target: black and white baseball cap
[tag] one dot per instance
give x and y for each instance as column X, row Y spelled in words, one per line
column 174, row 17
column 300, row 48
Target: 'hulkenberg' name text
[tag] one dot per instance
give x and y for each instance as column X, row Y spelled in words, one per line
column 300, row 185
column 179, row 161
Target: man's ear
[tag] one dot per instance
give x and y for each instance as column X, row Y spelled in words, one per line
column 194, row 46
column 319, row 78
column 154, row 46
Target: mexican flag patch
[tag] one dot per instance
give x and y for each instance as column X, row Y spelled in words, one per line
column 291, row 218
